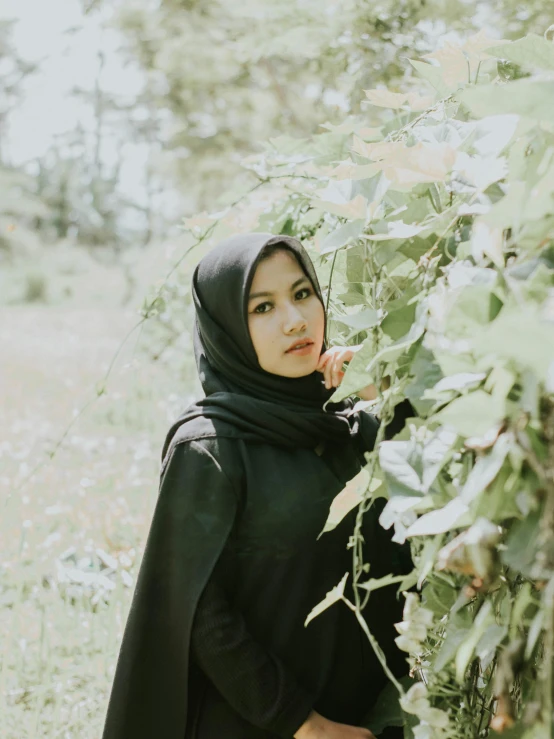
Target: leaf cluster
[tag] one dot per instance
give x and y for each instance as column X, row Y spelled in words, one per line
column 433, row 236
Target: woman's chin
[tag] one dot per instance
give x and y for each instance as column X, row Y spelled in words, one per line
column 308, row 368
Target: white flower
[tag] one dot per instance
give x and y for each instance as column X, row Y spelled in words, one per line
column 416, row 702
column 423, row 731
column 413, row 629
column 435, row 717
column 408, row 645
column 414, row 612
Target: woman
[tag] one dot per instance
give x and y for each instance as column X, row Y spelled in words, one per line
column 215, row 644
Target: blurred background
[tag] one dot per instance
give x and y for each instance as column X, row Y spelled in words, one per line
column 120, row 122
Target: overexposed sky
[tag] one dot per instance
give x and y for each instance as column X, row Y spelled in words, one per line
column 66, row 43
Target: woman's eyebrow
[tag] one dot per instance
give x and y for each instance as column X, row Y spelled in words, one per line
column 269, row 294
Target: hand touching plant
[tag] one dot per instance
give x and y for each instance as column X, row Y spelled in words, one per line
column 331, row 363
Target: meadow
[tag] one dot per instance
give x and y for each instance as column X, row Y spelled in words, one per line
column 78, row 483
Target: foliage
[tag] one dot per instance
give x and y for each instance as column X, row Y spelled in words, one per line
column 228, row 75
column 433, row 236
column 73, row 530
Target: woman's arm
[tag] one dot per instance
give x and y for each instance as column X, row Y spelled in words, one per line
column 251, row 679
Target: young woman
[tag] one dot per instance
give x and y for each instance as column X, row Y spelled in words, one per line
column 215, row 645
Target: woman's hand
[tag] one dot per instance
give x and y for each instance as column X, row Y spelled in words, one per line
column 331, row 362
column 317, row 726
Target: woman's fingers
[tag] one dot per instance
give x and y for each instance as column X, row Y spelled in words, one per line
column 333, row 369
column 324, row 358
column 332, row 361
column 336, row 367
column 329, row 372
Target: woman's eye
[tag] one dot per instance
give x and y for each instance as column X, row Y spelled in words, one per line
column 304, row 293
column 262, row 308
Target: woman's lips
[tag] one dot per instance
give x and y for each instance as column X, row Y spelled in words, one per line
column 302, row 350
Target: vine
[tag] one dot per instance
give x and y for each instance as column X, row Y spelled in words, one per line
column 437, row 234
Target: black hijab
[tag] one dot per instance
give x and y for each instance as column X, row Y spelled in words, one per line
column 242, row 399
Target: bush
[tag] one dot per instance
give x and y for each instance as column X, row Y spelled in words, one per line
column 34, row 288
column 431, row 223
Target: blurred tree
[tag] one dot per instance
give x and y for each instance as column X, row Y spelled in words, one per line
column 20, row 207
column 13, row 70
column 19, row 204
column 79, row 179
column 73, row 190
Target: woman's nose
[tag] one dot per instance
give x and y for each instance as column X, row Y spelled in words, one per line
column 294, row 320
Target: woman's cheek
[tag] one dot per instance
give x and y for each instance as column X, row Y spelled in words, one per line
column 318, row 320
column 266, row 341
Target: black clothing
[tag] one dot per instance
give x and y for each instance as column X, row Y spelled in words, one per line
column 243, row 497
column 250, row 679
column 250, row 514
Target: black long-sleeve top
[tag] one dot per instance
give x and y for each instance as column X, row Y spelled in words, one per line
column 254, row 681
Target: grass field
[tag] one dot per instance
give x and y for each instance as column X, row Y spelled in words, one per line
column 72, row 531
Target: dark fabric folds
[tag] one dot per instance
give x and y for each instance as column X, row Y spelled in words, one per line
column 190, row 525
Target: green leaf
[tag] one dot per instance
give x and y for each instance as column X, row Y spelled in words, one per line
column 427, row 557
column 486, row 469
column 348, row 498
column 456, row 634
column 473, row 414
column 520, row 552
column 362, row 320
column 381, row 582
column 402, row 468
column 342, row 235
column 433, row 75
column 520, row 731
column 359, row 372
column 532, row 52
column 510, row 209
column 387, row 230
column 411, row 469
column 438, row 596
column 451, row 516
column 521, row 335
column 331, row 147
column 474, row 306
column 523, row 600
column 527, row 97
column 467, row 648
column 493, row 134
column 356, row 258
column 460, row 381
column 503, row 495
column 425, row 373
column 534, row 634
column 332, row 597
column 490, row 641
column 290, row 146
column 357, row 375
column 398, row 322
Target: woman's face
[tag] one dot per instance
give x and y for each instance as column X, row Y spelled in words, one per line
column 284, row 311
